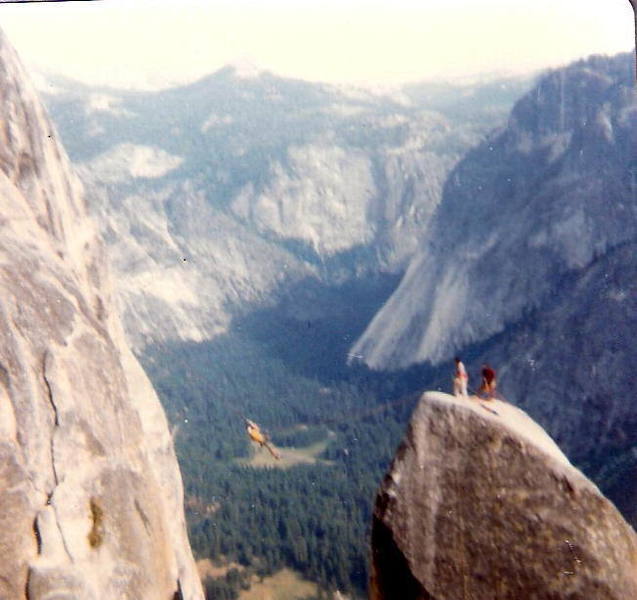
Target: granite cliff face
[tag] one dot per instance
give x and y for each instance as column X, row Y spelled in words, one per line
column 484, row 506
column 90, row 491
column 535, row 202
column 215, row 197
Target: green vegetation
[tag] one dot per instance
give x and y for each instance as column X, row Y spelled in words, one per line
column 226, row 587
column 313, row 518
column 286, row 369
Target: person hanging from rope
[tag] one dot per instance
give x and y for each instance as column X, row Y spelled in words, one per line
column 488, row 385
column 256, row 435
column 460, row 379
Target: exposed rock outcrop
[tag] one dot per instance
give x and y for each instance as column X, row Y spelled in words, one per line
column 587, row 404
column 486, row 507
column 90, row 491
column 537, row 201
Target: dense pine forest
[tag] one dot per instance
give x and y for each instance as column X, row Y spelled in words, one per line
column 291, row 377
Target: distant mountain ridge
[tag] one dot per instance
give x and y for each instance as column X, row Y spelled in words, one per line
column 212, row 195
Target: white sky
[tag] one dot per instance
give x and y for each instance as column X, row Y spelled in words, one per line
column 139, row 43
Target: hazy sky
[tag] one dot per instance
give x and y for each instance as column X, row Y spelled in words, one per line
column 137, row 43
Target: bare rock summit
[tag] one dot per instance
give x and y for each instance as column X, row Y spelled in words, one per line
column 484, row 506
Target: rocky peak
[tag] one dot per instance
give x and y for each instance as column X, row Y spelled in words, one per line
column 569, row 98
column 480, row 503
column 90, row 491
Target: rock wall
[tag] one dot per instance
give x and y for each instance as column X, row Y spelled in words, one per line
column 484, row 506
column 532, row 204
column 90, row 492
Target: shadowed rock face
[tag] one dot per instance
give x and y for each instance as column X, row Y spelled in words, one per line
column 538, row 200
column 486, row 507
column 90, row 492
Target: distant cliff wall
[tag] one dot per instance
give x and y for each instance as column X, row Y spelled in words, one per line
column 90, row 491
column 533, row 203
column 485, row 506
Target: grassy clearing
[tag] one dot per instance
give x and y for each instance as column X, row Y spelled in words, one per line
column 207, row 568
column 284, row 585
column 290, row 457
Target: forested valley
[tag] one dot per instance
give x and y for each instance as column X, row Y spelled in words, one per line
column 291, row 377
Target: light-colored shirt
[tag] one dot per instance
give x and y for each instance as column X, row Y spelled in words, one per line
column 461, row 371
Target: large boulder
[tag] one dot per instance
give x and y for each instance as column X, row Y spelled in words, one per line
column 484, row 506
column 91, row 499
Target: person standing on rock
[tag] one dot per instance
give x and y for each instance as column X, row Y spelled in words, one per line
column 460, row 379
column 488, row 384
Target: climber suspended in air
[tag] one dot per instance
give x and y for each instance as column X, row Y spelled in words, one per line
column 256, row 435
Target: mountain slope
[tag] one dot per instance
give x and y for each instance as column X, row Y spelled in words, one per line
column 542, row 198
column 211, row 196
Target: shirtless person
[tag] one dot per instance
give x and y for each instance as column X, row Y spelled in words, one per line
column 488, row 384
